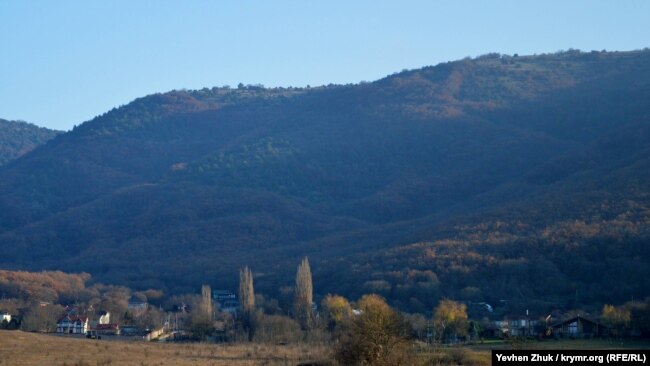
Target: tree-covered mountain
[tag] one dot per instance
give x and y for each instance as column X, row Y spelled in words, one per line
column 497, row 178
column 18, row 138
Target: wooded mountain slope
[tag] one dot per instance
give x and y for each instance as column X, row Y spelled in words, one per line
column 18, row 138
column 517, row 178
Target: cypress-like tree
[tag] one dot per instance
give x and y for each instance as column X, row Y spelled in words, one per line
column 206, row 301
column 246, row 292
column 303, row 295
column 247, row 300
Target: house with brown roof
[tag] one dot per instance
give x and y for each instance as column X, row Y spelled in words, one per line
column 579, row 327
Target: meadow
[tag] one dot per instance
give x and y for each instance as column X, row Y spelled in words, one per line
column 23, row 348
column 480, row 354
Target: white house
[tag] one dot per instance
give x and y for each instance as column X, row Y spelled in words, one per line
column 5, row 316
column 104, row 318
column 73, row 324
column 226, row 301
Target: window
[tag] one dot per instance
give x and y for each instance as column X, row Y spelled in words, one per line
column 573, row 328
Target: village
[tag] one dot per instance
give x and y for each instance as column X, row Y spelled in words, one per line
column 341, row 330
column 223, row 309
column 79, row 320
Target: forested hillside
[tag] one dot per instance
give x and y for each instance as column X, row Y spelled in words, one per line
column 18, row 138
column 522, row 179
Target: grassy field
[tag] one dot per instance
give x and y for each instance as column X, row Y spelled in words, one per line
column 20, row 348
column 608, row 343
column 480, row 354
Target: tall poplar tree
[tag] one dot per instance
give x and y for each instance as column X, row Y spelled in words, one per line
column 206, row 302
column 246, row 292
column 303, row 295
column 247, row 300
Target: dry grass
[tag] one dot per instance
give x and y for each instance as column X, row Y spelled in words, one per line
column 607, row 343
column 20, row 348
column 453, row 356
column 480, row 354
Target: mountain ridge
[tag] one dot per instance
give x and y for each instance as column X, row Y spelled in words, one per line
column 19, row 137
column 353, row 174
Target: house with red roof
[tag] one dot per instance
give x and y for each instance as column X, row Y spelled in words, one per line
column 102, row 330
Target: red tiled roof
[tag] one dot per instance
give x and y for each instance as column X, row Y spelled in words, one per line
column 106, row 327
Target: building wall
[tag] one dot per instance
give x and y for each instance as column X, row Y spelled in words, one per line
column 105, row 319
column 68, row 327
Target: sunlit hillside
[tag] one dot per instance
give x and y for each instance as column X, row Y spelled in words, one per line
column 515, row 178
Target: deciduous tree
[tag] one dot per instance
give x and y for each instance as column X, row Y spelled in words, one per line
column 378, row 335
column 450, row 319
column 42, row 318
column 617, row 318
column 336, row 310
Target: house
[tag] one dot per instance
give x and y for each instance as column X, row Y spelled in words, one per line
column 154, row 334
column 105, row 329
column 492, row 330
column 221, row 295
column 516, row 326
column 104, row 318
column 229, row 306
column 72, row 310
column 5, row 317
column 226, row 301
column 137, row 306
column 73, row 324
column 181, row 308
column 8, row 321
column 129, row 330
column 522, row 327
column 579, row 327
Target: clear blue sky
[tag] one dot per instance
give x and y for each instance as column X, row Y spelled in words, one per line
column 64, row 62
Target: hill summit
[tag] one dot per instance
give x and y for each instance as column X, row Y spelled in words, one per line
column 18, row 138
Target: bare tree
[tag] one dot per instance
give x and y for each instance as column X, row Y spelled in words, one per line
column 303, row 295
column 42, row 318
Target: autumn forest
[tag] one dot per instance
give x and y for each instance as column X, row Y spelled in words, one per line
column 520, row 182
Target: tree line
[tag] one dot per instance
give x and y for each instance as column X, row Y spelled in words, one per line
column 366, row 331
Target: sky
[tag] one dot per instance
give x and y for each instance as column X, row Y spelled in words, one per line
column 65, row 62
